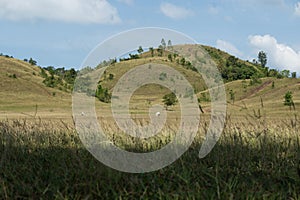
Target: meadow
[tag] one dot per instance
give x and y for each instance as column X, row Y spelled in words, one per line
column 255, row 158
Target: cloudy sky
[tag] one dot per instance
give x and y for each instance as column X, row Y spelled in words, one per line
column 63, row 32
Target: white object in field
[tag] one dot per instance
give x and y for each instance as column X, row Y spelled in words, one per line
column 157, row 114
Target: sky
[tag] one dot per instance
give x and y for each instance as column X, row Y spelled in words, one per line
column 61, row 33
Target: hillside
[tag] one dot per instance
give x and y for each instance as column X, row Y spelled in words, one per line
column 23, row 93
column 232, row 68
column 266, row 97
column 254, row 93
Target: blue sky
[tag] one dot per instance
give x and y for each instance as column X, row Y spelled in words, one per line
column 62, row 33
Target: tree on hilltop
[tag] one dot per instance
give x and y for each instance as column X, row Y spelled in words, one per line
column 32, row 62
column 163, row 43
column 152, row 51
column 140, row 50
column 262, row 58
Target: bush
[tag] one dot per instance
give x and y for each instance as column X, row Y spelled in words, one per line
column 288, row 99
column 50, row 81
column 255, row 79
column 110, row 76
column 12, row 76
column 32, row 62
column 170, row 100
column 102, row 94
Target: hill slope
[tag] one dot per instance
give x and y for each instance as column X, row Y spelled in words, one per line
column 233, row 68
column 249, row 92
column 23, row 92
column 267, row 96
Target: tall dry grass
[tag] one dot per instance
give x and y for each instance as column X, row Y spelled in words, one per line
column 256, row 157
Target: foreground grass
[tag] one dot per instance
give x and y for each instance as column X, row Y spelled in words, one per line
column 48, row 161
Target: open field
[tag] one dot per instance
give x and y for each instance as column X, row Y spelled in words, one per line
column 44, row 160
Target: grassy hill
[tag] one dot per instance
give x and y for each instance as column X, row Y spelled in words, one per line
column 23, row 93
column 225, row 62
column 259, row 94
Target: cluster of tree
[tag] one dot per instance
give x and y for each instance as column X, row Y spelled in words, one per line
column 280, row 74
column 131, row 57
column 234, row 69
column 59, row 77
column 231, row 68
column 186, row 64
column 140, row 50
column 84, row 84
column 163, row 46
column 181, row 61
column 31, row 61
column 103, row 94
column 262, row 62
column 170, row 100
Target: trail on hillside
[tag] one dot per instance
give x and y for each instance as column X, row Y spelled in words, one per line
column 256, row 90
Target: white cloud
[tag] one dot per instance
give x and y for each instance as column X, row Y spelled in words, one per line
column 175, row 12
column 280, row 56
column 229, row 48
column 74, row 11
column 297, row 9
